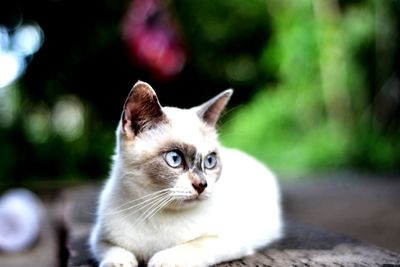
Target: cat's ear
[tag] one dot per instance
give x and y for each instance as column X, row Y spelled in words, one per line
column 142, row 110
column 211, row 110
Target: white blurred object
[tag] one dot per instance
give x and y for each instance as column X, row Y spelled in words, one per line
column 27, row 39
column 16, row 50
column 11, row 67
column 20, row 220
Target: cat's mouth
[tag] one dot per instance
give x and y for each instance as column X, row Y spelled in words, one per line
column 192, row 199
column 187, row 201
column 195, row 198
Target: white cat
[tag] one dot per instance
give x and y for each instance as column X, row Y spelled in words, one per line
column 175, row 196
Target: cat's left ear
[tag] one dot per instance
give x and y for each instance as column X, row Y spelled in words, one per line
column 211, row 110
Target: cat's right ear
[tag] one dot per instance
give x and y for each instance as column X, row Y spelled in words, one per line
column 142, row 110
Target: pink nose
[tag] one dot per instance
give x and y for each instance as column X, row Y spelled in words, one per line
column 200, row 186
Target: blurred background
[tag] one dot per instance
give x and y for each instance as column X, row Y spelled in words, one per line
column 316, row 82
column 317, row 96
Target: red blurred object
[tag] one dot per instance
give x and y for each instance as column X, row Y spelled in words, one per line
column 153, row 38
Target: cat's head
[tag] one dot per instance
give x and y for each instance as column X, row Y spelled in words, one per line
column 169, row 150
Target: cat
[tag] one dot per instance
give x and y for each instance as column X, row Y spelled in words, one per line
column 175, row 196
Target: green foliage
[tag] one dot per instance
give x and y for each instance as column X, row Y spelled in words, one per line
column 318, row 115
column 224, row 37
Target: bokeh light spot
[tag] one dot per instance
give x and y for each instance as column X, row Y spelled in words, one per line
column 4, row 39
column 28, row 39
column 68, row 118
column 14, row 48
column 9, row 105
column 36, row 124
column 11, row 66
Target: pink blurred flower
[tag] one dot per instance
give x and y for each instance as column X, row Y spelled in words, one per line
column 153, row 39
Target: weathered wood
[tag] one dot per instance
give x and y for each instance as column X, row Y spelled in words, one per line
column 79, row 217
column 44, row 253
column 362, row 206
column 309, row 246
column 303, row 245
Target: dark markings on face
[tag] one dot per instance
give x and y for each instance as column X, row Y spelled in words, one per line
column 160, row 173
column 163, row 175
column 198, row 162
column 188, row 151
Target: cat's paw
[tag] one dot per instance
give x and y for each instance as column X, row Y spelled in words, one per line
column 119, row 262
column 177, row 257
column 118, row 257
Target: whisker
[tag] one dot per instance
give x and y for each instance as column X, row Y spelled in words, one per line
column 143, row 197
column 151, row 211
column 146, row 202
column 154, row 206
column 156, row 210
column 146, row 199
column 148, row 205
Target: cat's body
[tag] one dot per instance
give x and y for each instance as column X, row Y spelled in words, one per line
column 175, row 197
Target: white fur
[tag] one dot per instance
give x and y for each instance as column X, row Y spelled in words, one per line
column 241, row 214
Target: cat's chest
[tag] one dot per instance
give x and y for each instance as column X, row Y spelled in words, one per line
column 163, row 231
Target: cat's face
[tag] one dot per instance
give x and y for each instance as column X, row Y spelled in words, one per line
column 168, row 153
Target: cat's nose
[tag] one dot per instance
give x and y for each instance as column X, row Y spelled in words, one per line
column 199, row 186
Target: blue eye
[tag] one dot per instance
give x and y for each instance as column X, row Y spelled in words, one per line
column 210, row 161
column 173, row 158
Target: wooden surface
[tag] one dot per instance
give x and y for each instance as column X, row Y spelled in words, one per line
column 43, row 254
column 363, row 206
column 367, row 209
column 303, row 245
